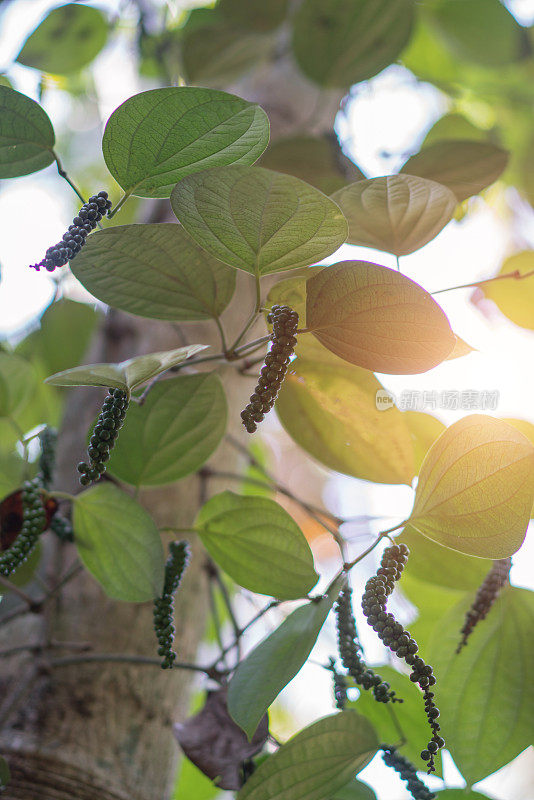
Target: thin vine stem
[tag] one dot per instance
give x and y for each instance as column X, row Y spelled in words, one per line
column 73, row 186
column 515, row 275
column 221, row 334
column 253, row 316
column 124, row 198
column 11, row 587
column 348, row 566
column 124, row 658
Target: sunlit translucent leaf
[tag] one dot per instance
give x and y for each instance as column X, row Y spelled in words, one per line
column 258, row 220
column 486, row 692
column 329, row 408
column 355, row 790
column 17, row 381
column 460, row 349
column 476, row 488
column 125, row 375
column 341, row 43
column 377, row 318
column 154, row 270
column 527, row 429
column 255, row 15
column 424, row 430
column 465, row 167
column 173, row 433
column 66, row 40
column 261, row 676
column 258, row 544
column 156, row 138
column 118, row 543
column 398, row 213
column 428, row 58
column 292, row 292
column 316, row 762
column 454, row 126
column 515, row 298
column 26, row 135
column 217, row 55
column 317, row 160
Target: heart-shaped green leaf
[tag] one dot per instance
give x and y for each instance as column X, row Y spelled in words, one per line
column 17, row 382
column 154, row 270
column 258, row 220
column 377, row 318
column 515, row 298
column 67, row 39
column 156, row 138
column 339, row 44
column 398, row 213
column 26, row 135
column 119, row 543
column 261, row 676
column 316, row 762
column 465, row 167
column 476, row 488
column 173, row 433
column 126, row 375
column 258, row 544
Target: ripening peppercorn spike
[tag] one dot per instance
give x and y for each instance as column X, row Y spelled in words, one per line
column 175, row 567
column 109, row 422
column 407, row 772
column 339, row 686
column 74, row 239
column 47, row 440
column 487, row 593
column 399, row 641
column 285, row 323
column 34, row 522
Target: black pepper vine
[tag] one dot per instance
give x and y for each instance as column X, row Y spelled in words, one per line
column 74, row 239
column 285, row 323
column 407, row 772
column 393, row 635
column 497, row 577
column 33, row 524
column 175, row 567
column 105, row 432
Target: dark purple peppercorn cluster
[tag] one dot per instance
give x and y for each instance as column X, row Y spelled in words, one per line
column 73, row 241
column 175, row 567
column 285, row 323
column 339, row 686
column 408, row 773
column 393, row 635
column 350, row 651
column 486, row 595
column 106, row 430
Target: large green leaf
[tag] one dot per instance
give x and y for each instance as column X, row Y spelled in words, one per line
column 17, row 381
column 355, row 790
column 26, row 135
column 128, row 374
column 424, row 430
column 154, row 270
column 261, row 676
column 156, row 138
column 255, row 15
column 486, row 693
column 377, row 318
column 454, row 126
column 316, row 762
column 66, row 40
column 173, row 433
column 258, row 544
column 258, row 220
column 118, row 543
column 339, row 43
column 329, row 408
column 217, row 55
column 398, row 213
column 464, row 166
column 476, row 488
column 515, row 298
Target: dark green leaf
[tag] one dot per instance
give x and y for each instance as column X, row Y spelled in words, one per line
column 119, row 543
column 17, row 381
column 67, row 39
column 258, row 220
column 355, row 790
column 154, row 270
column 254, row 15
column 156, row 138
column 219, row 54
column 173, row 433
column 258, row 544
column 341, row 43
column 26, row 135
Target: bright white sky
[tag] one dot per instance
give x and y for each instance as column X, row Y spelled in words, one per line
column 387, row 115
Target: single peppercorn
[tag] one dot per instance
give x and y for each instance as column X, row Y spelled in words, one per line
column 407, row 771
column 33, row 524
column 163, row 612
column 106, row 430
column 285, row 323
column 73, row 240
column 497, row 577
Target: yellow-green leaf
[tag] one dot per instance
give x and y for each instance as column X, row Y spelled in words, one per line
column 515, row 298
column 377, row 318
column 398, row 213
column 17, row 380
column 476, row 488
column 424, row 430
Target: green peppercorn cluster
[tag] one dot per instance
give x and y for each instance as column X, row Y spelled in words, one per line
column 285, row 323
column 163, row 624
column 393, row 635
column 62, row 527
column 407, row 772
column 106, row 430
column 47, row 440
column 33, row 524
column 486, row 595
column 350, row 651
column 74, row 239
column 339, row 686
